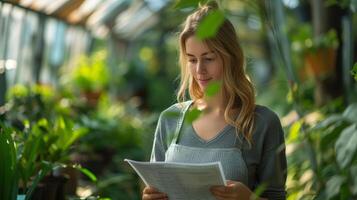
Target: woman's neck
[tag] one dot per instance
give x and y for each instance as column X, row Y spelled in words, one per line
column 215, row 104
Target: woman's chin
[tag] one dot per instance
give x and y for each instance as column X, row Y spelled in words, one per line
column 203, row 87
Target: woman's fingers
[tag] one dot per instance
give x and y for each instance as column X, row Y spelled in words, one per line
column 226, row 192
column 151, row 193
column 233, row 190
column 220, row 194
column 156, row 196
column 150, row 190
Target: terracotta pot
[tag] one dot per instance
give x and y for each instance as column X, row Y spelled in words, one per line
column 322, row 63
column 92, row 97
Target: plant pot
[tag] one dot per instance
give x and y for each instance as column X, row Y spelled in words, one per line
column 50, row 188
column 71, row 184
column 321, row 64
column 92, row 97
column 96, row 161
column 21, row 197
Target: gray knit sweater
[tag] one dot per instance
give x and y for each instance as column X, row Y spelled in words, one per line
column 265, row 159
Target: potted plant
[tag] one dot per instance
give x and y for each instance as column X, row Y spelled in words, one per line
column 20, row 165
column 91, row 76
column 319, row 53
column 34, row 157
column 40, row 140
column 320, row 57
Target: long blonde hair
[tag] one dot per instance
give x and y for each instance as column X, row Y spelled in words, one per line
column 236, row 84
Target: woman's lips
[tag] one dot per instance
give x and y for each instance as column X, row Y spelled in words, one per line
column 204, row 82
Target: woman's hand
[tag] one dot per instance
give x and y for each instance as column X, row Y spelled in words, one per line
column 150, row 193
column 233, row 191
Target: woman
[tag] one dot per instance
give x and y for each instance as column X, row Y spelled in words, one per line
column 246, row 138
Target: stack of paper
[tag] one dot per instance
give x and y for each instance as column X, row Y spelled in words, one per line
column 181, row 181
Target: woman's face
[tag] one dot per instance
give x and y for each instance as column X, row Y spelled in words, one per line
column 205, row 65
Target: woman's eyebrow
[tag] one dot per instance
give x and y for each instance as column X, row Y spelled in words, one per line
column 203, row 54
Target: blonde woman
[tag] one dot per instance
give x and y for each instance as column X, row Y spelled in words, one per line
column 246, row 138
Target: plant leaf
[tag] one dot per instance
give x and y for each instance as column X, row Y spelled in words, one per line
column 294, row 132
column 259, row 190
column 45, row 168
column 86, row 172
column 8, row 175
column 346, row 145
column 353, row 171
column 212, row 89
column 333, row 186
column 354, row 71
column 351, row 113
column 332, row 119
column 193, row 114
column 210, row 24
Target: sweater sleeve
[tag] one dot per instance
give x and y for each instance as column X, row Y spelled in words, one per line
column 272, row 169
column 158, row 149
column 165, row 131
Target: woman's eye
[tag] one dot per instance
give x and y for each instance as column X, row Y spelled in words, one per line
column 192, row 61
column 209, row 59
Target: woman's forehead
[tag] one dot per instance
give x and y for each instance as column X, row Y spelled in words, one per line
column 197, row 47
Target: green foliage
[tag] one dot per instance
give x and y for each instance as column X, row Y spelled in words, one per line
column 354, row 71
column 333, row 186
column 192, row 115
column 210, row 24
column 212, row 89
column 16, row 166
column 86, row 172
column 28, row 104
column 303, row 40
column 8, row 165
column 330, row 169
column 259, row 190
column 45, row 146
column 352, row 4
column 120, row 129
column 55, row 138
column 42, row 131
column 91, row 74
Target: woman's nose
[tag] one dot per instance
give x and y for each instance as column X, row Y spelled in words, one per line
column 200, row 67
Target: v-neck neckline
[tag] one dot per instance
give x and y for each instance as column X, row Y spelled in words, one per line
column 199, row 138
column 215, row 138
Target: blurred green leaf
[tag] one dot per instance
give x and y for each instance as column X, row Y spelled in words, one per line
column 210, row 24
column 114, row 179
column 294, row 132
column 329, row 137
column 91, row 74
column 86, row 172
column 332, row 119
column 353, row 171
column 333, row 186
column 193, row 114
column 46, row 167
column 341, row 3
column 259, row 190
column 212, row 89
column 346, row 145
column 354, row 71
column 8, row 174
column 351, row 113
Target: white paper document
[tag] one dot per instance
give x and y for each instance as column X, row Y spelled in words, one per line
column 181, row 181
